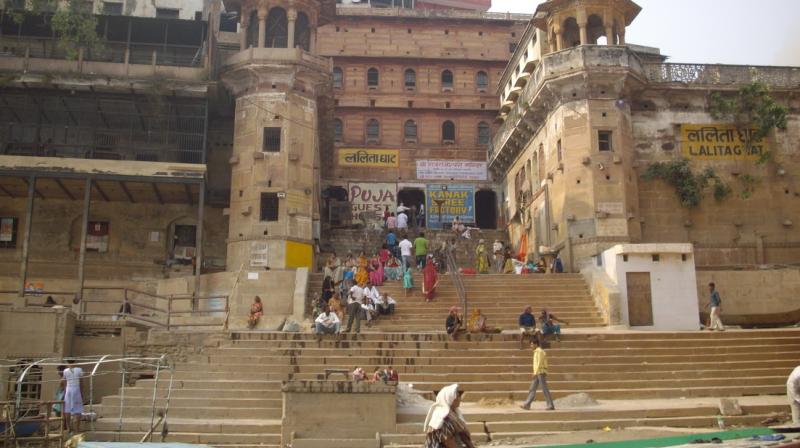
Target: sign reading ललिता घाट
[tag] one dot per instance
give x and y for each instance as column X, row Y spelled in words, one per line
column 455, row 200
column 720, row 142
column 377, row 158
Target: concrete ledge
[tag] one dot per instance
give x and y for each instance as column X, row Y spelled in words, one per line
column 337, row 387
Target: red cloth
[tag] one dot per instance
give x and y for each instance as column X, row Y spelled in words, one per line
column 429, row 278
column 469, row 271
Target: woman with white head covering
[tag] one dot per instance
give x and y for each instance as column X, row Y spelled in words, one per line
column 445, row 426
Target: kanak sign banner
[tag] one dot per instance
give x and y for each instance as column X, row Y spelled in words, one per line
column 377, row 158
column 451, row 169
column 454, row 200
column 372, row 197
column 720, row 142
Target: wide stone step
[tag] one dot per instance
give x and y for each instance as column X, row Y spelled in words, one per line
column 144, row 389
column 193, row 426
column 193, row 412
column 192, row 437
column 196, row 401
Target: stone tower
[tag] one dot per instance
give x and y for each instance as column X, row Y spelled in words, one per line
column 569, row 23
column 281, row 88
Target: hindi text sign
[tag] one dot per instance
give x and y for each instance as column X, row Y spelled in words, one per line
column 451, row 170
column 720, row 142
column 378, row 158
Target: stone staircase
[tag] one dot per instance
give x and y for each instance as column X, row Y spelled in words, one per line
column 343, row 241
column 229, row 395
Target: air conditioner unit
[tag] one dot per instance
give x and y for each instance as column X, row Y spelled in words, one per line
column 247, row 210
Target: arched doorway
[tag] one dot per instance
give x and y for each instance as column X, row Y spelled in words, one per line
column 486, row 209
column 412, row 198
column 336, row 206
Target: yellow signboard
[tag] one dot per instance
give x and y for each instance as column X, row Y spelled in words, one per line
column 720, row 142
column 299, row 255
column 381, row 158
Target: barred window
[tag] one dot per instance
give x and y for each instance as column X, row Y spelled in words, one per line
column 410, row 130
column 373, row 130
column 482, row 80
column 272, row 140
column 373, row 77
column 269, row 206
column 410, row 79
column 447, row 79
column 484, row 133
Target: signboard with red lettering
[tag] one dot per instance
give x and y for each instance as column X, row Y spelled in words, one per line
column 372, row 197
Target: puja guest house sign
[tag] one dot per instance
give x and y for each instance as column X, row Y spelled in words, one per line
column 378, row 158
column 372, row 197
column 720, row 142
column 451, row 170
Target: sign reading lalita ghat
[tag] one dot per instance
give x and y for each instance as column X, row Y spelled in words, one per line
column 720, row 142
column 379, row 158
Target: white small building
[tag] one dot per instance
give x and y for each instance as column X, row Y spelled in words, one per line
column 656, row 285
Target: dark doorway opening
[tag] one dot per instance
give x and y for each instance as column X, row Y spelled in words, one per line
column 486, row 209
column 337, row 206
column 414, row 199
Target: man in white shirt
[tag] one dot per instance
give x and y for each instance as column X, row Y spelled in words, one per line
column 354, row 298
column 402, row 208
column 406, row 247
column 385, row 304
column 793, row 391
column 372, row 293
column 369, row 310
column 402, row 221
column 327, row 323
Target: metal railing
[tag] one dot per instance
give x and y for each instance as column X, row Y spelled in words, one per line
column 458, row 281
column 722, row 75
column 148, row 308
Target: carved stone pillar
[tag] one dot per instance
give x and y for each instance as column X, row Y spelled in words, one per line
column 291, row 16
column 610, row 38
column 262, row 28
column 622, row 36
column 584, row 35
column 559, row 39
column 243, row 35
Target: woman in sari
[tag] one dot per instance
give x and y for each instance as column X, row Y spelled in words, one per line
column 256, row 311
column 445, row 426
column 335, row 305
column 430, row 280
column 327, row 290
column 384, row 254
column 376, row 273
column 333, row 269
column 508, row 262
column 481, row 260
column 362, row 275
column 393, row 270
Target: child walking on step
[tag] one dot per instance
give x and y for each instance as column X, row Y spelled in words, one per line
column 408, row 281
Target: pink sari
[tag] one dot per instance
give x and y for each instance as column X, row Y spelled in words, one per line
column 429, row 280
column 376, row 275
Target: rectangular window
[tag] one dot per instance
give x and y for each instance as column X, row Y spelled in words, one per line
column 97, row 236
column 167, row 13
column 112, row 9
column 269, row 206
column 604, row 141
column 272, row 140
column 8, row 232
column 185, row 235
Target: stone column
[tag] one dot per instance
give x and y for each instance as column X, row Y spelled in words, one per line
column 291, row 16
column 584, row 34
column 312, row 44
column 559, row 39
column 262, row 28
column 622, row 36
column 610, row 35
column 243, row 35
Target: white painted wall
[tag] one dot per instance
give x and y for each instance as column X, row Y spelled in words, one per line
column 147, row 8
column 673, row 282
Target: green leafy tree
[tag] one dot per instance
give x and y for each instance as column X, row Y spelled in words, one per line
column 751, row 108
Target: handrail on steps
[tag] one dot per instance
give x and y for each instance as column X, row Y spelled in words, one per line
column 458, row 280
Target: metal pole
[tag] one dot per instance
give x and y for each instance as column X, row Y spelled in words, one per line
column 155, row 392
column 201, row 203
column 26, row 241
column 166, row 406
column 121, row 402
column 87, row 198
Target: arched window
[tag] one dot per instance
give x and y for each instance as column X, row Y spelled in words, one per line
column 482, row 80
column 302, row 32
column 447, row 79
column 277, row 29
column 410, row 79
column 448, row 132
column 484, row 133
column 338, row 129
column 595, row 29
column 338, row 78
column 410, row 131
column 373, row 130
column 373, row 78
column 570, row 33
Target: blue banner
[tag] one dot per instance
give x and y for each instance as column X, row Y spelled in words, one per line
column 445, row 202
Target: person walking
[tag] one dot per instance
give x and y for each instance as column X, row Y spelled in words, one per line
column 354, row 298
column 716, row 308
column 497, row 251
column 405, row 252
column 421, row 250
column 73, row 400
column 793, row 391
column 445, row 425
column 539, row 377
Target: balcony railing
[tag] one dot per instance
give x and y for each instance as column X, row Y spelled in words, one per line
column 722, row 75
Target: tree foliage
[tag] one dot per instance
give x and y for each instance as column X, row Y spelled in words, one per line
column 751, row 108
column 689, row 186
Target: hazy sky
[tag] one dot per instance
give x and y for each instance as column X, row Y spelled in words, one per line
column 755, row 32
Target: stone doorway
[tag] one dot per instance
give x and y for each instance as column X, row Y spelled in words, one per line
column 412, row 198
column 486, row 209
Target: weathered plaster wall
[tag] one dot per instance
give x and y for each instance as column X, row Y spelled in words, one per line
column 55, row 238
column 754, row 297
column 764, row 228
column 147, row 8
